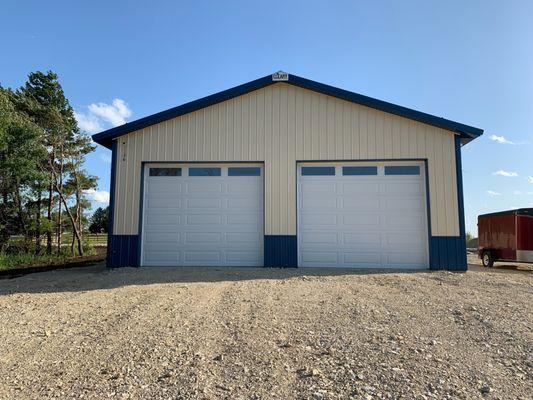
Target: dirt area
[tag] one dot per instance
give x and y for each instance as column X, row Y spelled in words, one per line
column 218, row 333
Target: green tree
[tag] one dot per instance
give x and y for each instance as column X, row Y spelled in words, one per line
column 43, row 99
column 20, row 156
column 42, row 153
column 99, row 220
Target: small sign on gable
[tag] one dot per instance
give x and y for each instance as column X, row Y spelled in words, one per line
column 280, row 76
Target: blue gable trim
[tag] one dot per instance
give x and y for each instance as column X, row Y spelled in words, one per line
column 465, row 131
column 281, row 251
column 123, row 251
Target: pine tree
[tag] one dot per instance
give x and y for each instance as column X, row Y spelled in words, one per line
column 43, row 99
column 99, row 220
column 20, row 155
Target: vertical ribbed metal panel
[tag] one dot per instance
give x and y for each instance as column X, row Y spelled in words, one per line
column 279, row 125
column 281, row 251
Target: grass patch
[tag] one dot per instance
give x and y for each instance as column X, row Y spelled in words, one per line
column 12, row 260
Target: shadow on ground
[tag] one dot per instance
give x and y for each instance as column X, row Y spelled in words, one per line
column 98, row 277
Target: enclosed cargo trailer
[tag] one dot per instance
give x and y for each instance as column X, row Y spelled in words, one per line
column 506, row 236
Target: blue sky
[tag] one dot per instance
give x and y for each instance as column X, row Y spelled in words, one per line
column 467, row 61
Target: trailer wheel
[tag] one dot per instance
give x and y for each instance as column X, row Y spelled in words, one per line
column 487, row 259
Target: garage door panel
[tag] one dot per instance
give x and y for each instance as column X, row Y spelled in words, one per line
column 161, row 229
column 406, row 222
column 162, row 256
column 209, row 185
column 245, row 185
column 364, row 239
column 364, row 221
column 404, row 203
column 320, row 258
column 163, row 219
column 243, row 257
column 362, row 258
column 243, row 237
column 203, row 203
column 351, row 221
column 203, row 238
column 163, row 186
column 404, row 241
column 158, row 236
column 362, row 202
column 402, row 188
column 162, row 211
column 319, row 238
column 203, row 220
column 165, row 203
column 244, row 203
column 324, row 203
column 406, row 259
column 310, row 186
column 360, row 187
column 319, row 220
column 164, row 247
column 245, row 219
column 201, row 256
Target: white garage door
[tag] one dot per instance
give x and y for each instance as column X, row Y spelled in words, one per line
column 362, row 215
column 202, row 215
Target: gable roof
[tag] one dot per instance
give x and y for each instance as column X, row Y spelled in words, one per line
column 466, row 132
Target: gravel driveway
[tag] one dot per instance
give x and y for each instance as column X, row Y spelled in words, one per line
column 266, row 334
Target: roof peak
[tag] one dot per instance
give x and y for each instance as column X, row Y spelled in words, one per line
column 466, row 132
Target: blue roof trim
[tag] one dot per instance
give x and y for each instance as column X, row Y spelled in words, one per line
column 466, row 132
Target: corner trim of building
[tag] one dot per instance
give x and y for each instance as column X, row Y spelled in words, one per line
column 460, row 203
column 111, row 216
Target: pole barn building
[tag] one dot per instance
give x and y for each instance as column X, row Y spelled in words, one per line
column 287, row 172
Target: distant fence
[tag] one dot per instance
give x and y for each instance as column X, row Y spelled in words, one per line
column 94, row 239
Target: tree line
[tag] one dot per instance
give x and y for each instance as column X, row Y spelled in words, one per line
column 42, row 176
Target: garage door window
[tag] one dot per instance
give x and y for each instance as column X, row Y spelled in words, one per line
column 360, row 170
column 308, row 171
column 204, row 172
column 402, row 170
column 165, row 171
column 244, row 171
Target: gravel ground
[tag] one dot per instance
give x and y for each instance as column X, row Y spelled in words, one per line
column 474, row 260
column 266, row 334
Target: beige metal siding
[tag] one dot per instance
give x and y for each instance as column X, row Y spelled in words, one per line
column 279, row 125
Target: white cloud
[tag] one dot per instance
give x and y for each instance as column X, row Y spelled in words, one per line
column 493, row 193
column 101, row 114
column 97, row 196
column 500, row 139
column 517, row 192
column 507, row 174
column 530, row 179
column 88, row 123
column 105, row 158
column 115, row 113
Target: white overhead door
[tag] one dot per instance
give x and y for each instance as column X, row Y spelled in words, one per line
column 363, row 215
column 202, row 215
